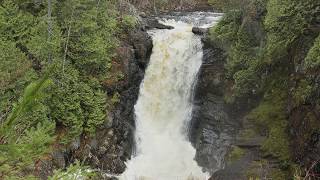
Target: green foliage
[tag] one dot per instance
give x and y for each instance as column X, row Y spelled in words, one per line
column 277, row 174
column 13, row 64
column 15, row 74
column 277, row 143
column 90, row 35
column 270, row 119
column 129, row 22
column 74, row 172
column 285, row 21
column 115, row 98
column 32, row 145
column 40, row 46
column 246, row 82
column 81, row 44
column 78, row 105
column 94, row 105
column 236, row 153
column 225, row 32
column 15, row 24
column 25, row 136
column 64, row 101
column 31, row 97
column 267, row 42
column 302, row 92
column 227, row 5
column 243, row 63
column 312, row 61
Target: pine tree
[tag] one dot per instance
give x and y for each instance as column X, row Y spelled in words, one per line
column 23, row 142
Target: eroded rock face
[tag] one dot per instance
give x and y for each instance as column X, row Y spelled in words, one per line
column 212, row 128
column 218, row 129
column 216, row 126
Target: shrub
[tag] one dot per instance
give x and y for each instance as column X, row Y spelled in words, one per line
column 302, row 92
column 270, row 120
column 225, row 32
column 312, row 61
column 285, row 21
column 236, row 153
column 73, row 172
column 129, row 22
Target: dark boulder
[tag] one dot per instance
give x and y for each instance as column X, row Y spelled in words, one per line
column 153, row 23
column 200, row 31
column 142, row 46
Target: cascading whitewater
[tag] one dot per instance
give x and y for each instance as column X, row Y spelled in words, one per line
column 164, row 108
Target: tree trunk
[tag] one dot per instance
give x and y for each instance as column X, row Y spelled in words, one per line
column 155, row 7
column 49, row 28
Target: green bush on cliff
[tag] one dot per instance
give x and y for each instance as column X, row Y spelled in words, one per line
column 73, row 172
column 227, row 5
column 270, row 119
column 129, row 22
column 302, row 92
column 312, row 61
column 246, row 82
column 79, row 105
column 225, row 32
column 277, row 143
column 235, row 154
column 75, row 47
column 243, row 51
column 285, row 21
column 273, row 50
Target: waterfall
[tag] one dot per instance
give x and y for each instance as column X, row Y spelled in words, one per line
column 164, row 107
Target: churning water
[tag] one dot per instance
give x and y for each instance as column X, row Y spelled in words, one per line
column 164, row 106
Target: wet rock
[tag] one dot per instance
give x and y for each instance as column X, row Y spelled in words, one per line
column 142, row 46
column 75, row 144
column 59, row 159
column 200, row 31
column 153, row 23
column 215, row 125
column 143, row 14
column 45, row 169
column 252, row 161
column 93, row 143
column 212, row 129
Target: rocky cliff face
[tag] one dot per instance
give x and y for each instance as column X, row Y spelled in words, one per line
column 219, row 132
column 212, row 127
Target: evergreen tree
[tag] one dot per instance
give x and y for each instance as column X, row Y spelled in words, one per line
column 22, row 139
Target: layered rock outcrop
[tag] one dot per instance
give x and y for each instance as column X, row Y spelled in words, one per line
column 212, row 127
